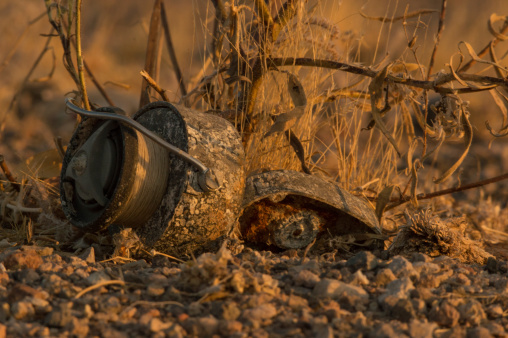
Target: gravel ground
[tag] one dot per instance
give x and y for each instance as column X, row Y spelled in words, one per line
column 247, row 293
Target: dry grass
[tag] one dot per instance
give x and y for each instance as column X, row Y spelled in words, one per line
column 361, row 121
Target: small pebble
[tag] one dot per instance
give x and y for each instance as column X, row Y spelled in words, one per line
column 421, row 329
column 156, row 325
column 22, row 310
column 401, row 267
column 97, row 277
column 88, row 255
column 364, row 260
column 384, row 276
column 444, row 314
column 306, row 278
column 261, row 312
column 60, row 316
column 328, row 288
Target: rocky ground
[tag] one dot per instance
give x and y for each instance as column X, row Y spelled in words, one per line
column 249, row 293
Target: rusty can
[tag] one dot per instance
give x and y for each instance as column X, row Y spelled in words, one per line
column 291, row 209
column 172, row 174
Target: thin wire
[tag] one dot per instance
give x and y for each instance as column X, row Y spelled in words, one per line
column 206, row 178
column 127, row 120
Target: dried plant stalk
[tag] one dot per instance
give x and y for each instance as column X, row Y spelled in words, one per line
column 151, row 51
column 79, row 57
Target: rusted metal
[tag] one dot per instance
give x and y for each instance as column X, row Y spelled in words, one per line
column 186, row 218
column 197, row 219
column 290, row 209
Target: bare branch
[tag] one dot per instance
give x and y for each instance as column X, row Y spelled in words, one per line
column 151, row 82
column 398, row 201
column 398, row 18
column 171, row 50
column 79, row 57
column 438, row 38
column 151, row 50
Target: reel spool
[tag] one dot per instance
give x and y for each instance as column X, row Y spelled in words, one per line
column 176, row 201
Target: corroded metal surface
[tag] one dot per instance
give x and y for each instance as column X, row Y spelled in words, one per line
column 189, row 220
column 186, row 219
column 289, row 209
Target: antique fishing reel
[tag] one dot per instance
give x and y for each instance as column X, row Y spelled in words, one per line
column 172, row 174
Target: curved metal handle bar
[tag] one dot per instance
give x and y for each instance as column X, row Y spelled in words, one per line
column 207, row 180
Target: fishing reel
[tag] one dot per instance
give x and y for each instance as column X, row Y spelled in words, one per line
column 147, row 171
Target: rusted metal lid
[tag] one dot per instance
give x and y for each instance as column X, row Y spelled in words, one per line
column 289, row 209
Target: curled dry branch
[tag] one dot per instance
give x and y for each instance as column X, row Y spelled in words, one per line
column 398, row 18
column 57, row 19
column 395, row 202
column 437, row 85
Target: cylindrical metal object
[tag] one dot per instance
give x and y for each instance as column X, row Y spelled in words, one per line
column 290, row 209
column 114, row 174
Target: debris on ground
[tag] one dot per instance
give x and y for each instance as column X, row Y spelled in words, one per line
column 251, row 293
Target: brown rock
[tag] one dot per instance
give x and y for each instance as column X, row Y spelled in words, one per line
column 111, row 305
column 156, row 325
column 333, row 288
column 495, row 311
column 501, row 285
column 88, row 255
column 5, row 312
column 22, row 260
column 155, row 289
column 208, row 325
column 147, row 317
column 323, row 331
column 78, row 327
column 421, row 329
column 479, row 332
column 229, row 327
column 403, row 310
column 230, row 311
column 261, row 312
column 444, row 314
column 110, row 332
column 384, row 276
column 22, row 310
column 20, row 291
column 435, row 280
column 296, row 302
column 4, row 278
column 41, row 306
column 306, row 278
column 60, row 316
column 472, row 312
